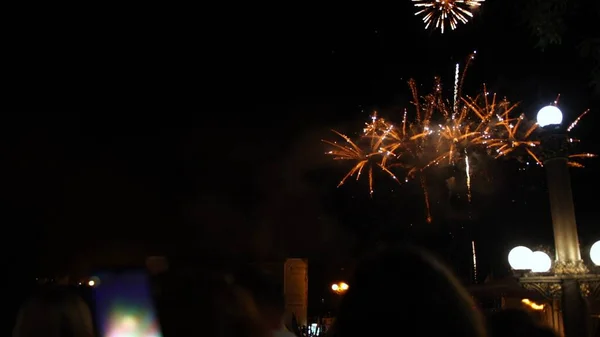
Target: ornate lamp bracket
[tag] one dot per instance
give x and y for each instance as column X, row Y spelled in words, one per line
column 590, row 288
column 556, row 145
column 548, row 287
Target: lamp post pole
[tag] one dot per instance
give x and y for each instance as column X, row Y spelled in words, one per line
column 568, row 264
column 568, row 256
column 569, row 279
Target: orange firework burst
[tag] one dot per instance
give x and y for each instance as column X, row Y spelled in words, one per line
column 439, row 135
column 442, row 13
column 366, row 155
column 444, row 134
column 506, row 133
column 499, row 130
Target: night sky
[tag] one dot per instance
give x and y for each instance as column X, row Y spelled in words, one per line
column 143, row 131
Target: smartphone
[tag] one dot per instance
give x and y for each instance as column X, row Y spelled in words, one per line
column 123, row 305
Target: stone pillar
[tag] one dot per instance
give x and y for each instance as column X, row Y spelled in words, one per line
column 561, row 201
column 568, row 264
column 295, row 285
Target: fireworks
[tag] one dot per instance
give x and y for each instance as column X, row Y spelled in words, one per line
column 443, row 13
column 505, row 135
column 444, row 134
column 366, row 156
column 498, row 130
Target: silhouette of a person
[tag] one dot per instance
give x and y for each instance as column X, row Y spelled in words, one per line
column 54, row 310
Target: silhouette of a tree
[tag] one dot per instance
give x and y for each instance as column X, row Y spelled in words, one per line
column 553, row 22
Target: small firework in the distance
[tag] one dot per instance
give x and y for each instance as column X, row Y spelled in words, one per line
column 444, row 13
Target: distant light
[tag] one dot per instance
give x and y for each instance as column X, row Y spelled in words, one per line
column 595, row 253
column 520, row 257
column 549, row 115
column 340, row 287
column 540, row 262
column 91, row 283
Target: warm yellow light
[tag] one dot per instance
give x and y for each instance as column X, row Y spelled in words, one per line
column 340, row 288
column 532, row 304
column 91, row 283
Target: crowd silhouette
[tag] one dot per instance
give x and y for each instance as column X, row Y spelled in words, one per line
column 400, row 290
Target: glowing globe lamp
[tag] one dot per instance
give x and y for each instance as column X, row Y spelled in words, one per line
column 540, row 262
column 595, row 253
column 520, row 258
column 340, row 288
column 549, row 115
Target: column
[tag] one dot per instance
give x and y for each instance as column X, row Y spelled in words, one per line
column 568, row 255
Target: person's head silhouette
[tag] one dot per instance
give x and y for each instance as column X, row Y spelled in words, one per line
column 406, row 289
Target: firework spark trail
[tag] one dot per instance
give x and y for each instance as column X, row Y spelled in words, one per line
column 404, row 124
column 468, row 173
column 416, row 100
column 442, row 13
column 456, row 76
column 426, row 195
column 516, row 138
column 470, row 59
column 366, row 157
column 498, row 131
column 441, row 135
column 483, row 125
column 474, row 251
column 350, row 152
column 576, row 121
column 417, row 146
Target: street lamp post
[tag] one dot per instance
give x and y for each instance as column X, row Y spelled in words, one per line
column 569, row 276
column 568, row 262
column 555, row 146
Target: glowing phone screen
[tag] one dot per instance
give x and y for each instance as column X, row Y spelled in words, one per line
column 124, row 306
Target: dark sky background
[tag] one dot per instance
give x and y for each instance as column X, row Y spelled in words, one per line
column 190, row 131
